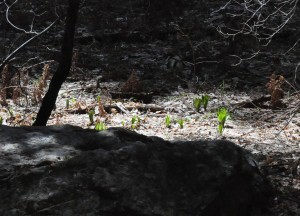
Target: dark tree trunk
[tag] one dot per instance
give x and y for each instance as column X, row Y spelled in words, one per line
column 63, row 68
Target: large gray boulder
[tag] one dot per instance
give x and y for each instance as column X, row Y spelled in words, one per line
column 67, row 170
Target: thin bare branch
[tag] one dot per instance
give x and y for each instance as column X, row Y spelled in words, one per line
column 11, row 55
column 31, row 31
column 259, row 20
column 240, row 60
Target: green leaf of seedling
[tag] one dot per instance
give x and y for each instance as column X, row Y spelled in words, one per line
column 98, row 98
column 205, row 100
column 134, row 119
column 91, row 116
column 1, row 120
column 168, row 121
column 180, row 122
column 197, row 104
column 67, row 103
column 220, row 129
column 11, row 112
column 73, row 100
column 223, row 115
column 100, row 126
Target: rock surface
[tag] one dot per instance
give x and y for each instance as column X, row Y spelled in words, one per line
column 66, row 170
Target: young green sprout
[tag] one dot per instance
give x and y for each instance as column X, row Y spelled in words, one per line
column 168, row 121
column 67, row 103
column 223, row 115
column 100, row 126
column 135, row 122
column 11, row 112
column 197, row 104
column 1, row 120
column 98, row 98
column 91, row 116
column 180, row 122
column 139, row 119
column 73, row 100
column 205, row 99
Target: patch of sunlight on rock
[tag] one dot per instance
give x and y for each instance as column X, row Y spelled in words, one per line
column 42, row 139
column 10, row 147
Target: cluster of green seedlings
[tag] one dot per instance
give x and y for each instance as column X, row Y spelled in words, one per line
column 135, row 122
column 222, row 114
column 168, row 122
column 197, row 102
column 93, row 120
column 99, row 125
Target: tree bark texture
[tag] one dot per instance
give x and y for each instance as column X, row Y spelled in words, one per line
column 63, row 69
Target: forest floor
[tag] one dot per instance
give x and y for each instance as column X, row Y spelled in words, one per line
column 273, row 135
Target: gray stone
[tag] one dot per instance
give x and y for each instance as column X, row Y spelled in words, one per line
column 67, row 170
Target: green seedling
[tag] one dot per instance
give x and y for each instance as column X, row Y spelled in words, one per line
column 1, row 120
column 223, row 116
column 138, row 121
column 123, row 123
column 67, row 103
column 91, row 116
column 168, row 121
column 135, row 122
column 197, row 104
column 100, row 126
column 11, row 112
column 205, row 99
column 180, row 122
column 73, row 100
column 98, row 98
